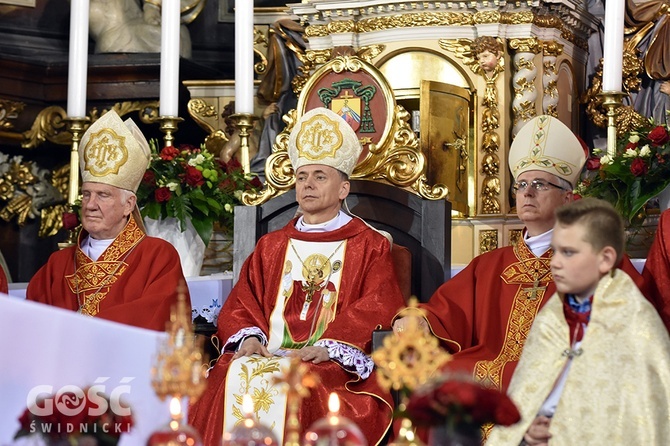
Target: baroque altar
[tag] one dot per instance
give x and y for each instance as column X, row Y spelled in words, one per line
column 470, row 74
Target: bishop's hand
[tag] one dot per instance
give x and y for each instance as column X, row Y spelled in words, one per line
column 252, row 346
column 312, row 353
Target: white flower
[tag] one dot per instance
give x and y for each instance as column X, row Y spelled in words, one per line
column 629, row 153
column 172, row 185
column 238, row 195
column 634, row 137
column 228, row 208
column 597, row 151
column 645, row 151
column 196, row 160
column 606, row 159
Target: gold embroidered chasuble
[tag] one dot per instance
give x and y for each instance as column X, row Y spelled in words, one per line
column 617, row 391
column 92, row 280
column 531, row 274
column 304, row 306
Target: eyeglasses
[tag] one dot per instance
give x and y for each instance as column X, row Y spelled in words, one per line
column 538, row 185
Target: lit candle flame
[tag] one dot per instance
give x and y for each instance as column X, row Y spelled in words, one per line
column 333, row 404
column 247, row 404
column 175, row 407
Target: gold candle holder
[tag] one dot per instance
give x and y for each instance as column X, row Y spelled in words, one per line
column 76, row 126
column 612, row 100
column 244, row 122
column 169, row 125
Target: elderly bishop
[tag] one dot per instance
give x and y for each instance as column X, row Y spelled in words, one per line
column 115, row 271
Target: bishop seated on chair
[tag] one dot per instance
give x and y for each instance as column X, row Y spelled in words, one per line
column 115, row 271
column 315, row 289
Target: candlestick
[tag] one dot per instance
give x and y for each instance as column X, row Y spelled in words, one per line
column 78, row 59
column 168, row 125
column 169, row 89
column 244, row 122
column 333, row 429
column 613, row 46
column 76, row 126
column 249, row 432
column 244, row 56
column 175, row 433
column 612, row 100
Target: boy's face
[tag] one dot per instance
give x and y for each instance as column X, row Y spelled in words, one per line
column 576, row 266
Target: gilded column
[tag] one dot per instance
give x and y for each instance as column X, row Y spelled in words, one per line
column 523, row 82
column 550, row 51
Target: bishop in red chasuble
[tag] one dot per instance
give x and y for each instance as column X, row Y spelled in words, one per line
column 483, row 314
column 315, row 290
column 115, row 271
column 133, row 282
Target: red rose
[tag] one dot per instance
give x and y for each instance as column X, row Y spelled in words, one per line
column 638, row 167
column 169, row 153
column 631, row 146
column 194, row 177
column 162, row 194
column 256, row 183
column 149, row 178
column 70, row 220
column 506, row 413
column 25, row 420
column 227, row 185
column 659, row 136
column 593, row 163
column 233, row 165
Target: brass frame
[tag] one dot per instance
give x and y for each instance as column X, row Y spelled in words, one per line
column 397, row 158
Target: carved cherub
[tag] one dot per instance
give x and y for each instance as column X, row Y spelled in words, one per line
column 483, row 54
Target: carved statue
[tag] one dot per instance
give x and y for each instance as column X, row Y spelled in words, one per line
column 650, row 21
column 125, row 26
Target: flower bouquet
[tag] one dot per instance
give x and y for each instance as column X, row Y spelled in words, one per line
column 456, row 405
column 188, row 183
column 81, row 417
column 638, row 171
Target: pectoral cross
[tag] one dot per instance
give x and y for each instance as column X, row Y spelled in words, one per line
column 532, row 291
column 310, row 287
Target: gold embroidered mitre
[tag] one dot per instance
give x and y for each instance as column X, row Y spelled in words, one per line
column 114, row 152
column 321, row 136
column 546, row 144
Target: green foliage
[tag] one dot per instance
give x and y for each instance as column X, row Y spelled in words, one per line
column 638, row 171
column 189, row 183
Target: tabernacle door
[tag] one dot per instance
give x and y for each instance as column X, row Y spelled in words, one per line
column 447, row 140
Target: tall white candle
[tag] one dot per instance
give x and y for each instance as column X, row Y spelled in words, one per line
column 244, row 56
column 78, row 59
column 170, row 24
column 613, row 48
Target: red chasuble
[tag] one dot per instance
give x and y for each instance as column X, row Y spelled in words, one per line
column 4, row 287
column 133, row 282
column 656, row 271
column 484, row 313
column 367, row 297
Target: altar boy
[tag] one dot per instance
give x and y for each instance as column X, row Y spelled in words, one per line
column 596, row 366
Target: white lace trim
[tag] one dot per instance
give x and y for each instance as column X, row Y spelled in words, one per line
column 233, row 342
column 351, row 358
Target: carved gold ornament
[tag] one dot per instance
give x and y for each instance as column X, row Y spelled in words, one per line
column 410, row 357
column 396, row 158
column 179, row 369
